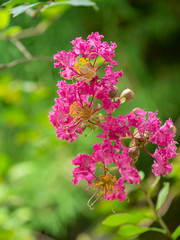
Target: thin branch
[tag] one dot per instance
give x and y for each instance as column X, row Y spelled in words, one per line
column 23, row 60
column 31, row 32
column 22, row 48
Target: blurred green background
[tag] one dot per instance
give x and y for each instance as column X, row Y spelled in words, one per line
column 38, row 199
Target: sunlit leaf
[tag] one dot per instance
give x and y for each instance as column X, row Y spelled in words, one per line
column 73, row 3
column 12, row 31
column 162, row 195
column 5, row 163
column 15, row 117
column 21, row 9
column 141, row 174
column 12, row 3
column 176, row 233
column 6, row 234
column 4, row 18
column 119, row 219
column 132, row 230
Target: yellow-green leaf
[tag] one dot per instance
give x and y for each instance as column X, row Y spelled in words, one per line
column 5, row 18
column 12, row 31
column 122, row 218
column 176, row 233
column 162, row 195
column 132, row 230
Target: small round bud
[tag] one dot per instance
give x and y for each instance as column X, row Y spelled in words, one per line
column 134, row 152
column 135, row 110
column 127, row 95
column 172, row 128
column 114, row 93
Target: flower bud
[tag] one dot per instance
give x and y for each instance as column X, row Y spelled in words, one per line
column 114, row 93
column 135, row 110
column 127, row 95
column 134, row 152
column 172, row 128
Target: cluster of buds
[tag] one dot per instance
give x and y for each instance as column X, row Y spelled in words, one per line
column 79, row 106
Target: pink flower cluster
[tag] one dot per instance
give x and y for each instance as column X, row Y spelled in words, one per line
column 79, row 106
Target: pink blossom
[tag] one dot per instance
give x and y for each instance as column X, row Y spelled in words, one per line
column 118, row 193
column 146, row 130
column 73, row 111
column 75, row 64
column 86, row 169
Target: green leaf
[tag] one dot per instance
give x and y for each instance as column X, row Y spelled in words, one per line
column 5, row 18
column 151, row 189
column 119, row 219
column 12, row 31
column 141, row 174
column 5, row 163
column 176, row 233
column 132, row 230
column 12, row 3
column 21, row 9
column 162, row 195
column 6, row 234
column 73, row 3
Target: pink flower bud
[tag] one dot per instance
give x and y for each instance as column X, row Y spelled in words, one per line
column 172, row 128
column 114, row 93
column 135, row 110
column 134, row 152
column 127, row 95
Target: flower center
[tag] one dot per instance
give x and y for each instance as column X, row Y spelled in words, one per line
column 106, row 184
column 85, row 70
column 79, row 112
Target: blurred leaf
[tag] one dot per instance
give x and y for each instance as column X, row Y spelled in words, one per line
column 25, row 136
column 153, row 186
column 15, row 117
column 6, row 234
column 5, row 163
column 176, row 233
column 22, row 214
column 52, row 11
column 141, row 174
column 73, row 3
column 5, row 18
column 12, row 3
column 12, row 31
column 132, row 230
column 162, row 195
column 21, row 170
column 119, row 219
column 21, row 9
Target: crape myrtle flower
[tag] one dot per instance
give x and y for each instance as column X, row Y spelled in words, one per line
column 73, row 111
column 78, row 106
column 83, row 62
column 109, row 185
column 140, row 130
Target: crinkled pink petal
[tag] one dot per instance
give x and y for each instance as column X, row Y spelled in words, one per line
column 86, row 168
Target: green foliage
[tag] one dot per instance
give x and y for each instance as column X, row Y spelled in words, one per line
column 5, row 18
column 132, row 230
column 162, row 195
column 176, row 233
column 123, row 218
